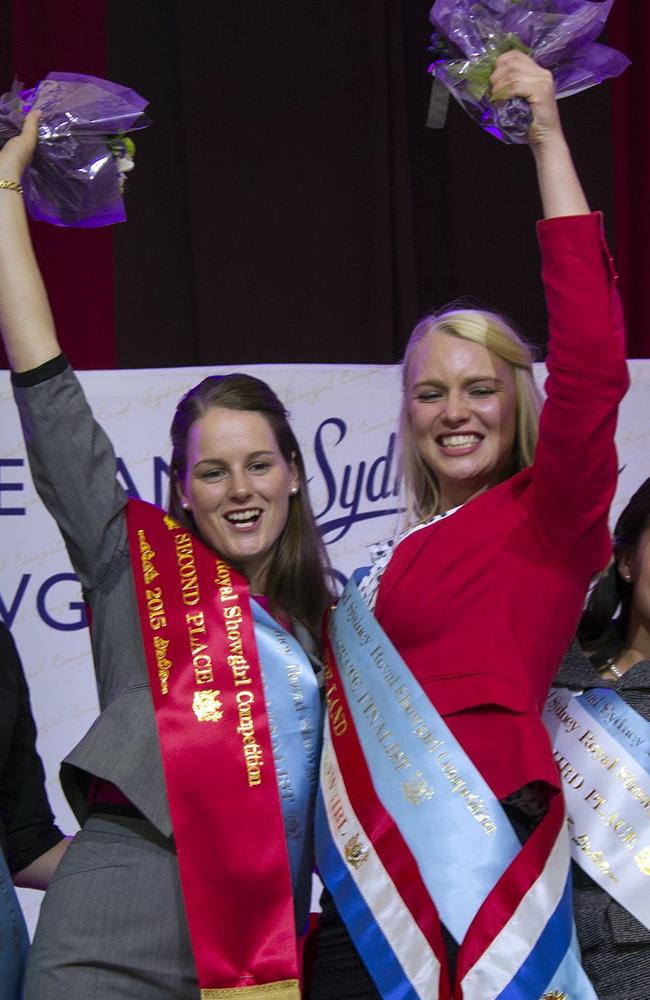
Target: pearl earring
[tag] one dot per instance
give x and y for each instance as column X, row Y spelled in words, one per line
column 293, row 491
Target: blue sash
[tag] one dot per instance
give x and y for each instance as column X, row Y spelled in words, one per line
column 293, row 707
column 602, row 747
column 14, row 939
column 453, row 826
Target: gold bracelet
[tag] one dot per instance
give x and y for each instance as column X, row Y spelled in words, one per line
column 11, row 186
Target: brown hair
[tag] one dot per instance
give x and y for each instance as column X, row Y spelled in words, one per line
column 601, row 635
column 297, row 578
column 493, row 332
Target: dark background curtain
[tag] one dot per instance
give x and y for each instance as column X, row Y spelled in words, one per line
column 288, row 202
column 77, row 264
column 629, row 30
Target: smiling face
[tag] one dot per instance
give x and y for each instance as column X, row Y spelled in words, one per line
column 462, row 411
column 237, row 486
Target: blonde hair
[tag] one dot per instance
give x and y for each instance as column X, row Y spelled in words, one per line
column 491, row 331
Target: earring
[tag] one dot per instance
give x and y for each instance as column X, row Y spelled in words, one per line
column 628, row 578
column 293, row 491
column 185, row 505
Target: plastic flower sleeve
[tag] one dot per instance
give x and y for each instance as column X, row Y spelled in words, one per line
column 559, row 35
column 76, row 176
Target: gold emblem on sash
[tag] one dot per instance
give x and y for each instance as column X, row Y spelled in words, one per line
column 642, row 859
column 555, row 995
column 355, row 853
column 417, row 790
column 170, row 522
column 206, row 706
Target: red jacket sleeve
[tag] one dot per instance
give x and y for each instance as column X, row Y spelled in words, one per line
column 575, row 468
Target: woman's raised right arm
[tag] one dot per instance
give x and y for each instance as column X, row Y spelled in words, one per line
column 25, row 316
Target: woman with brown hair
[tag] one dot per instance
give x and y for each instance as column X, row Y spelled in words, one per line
column 195, row 785
column 613, row 659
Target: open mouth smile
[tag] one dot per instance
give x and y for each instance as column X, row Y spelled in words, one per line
column 458, row 442
column 242, row 519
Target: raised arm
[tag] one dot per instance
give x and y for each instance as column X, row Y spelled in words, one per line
column 575, row 466
column 25, row 316
column 517, row 75
column 72, row 461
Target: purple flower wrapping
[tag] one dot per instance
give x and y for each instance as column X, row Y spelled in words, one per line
column 559, row 34
column 74, row 178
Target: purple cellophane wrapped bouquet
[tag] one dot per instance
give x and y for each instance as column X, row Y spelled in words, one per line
column 77, row 174
column 558, row 34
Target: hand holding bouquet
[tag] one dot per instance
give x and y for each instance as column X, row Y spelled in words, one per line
column 76, row 176
column 558, row 34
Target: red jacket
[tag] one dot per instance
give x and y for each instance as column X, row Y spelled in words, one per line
column 482, row 605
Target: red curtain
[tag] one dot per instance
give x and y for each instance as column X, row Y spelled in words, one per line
column 629, row 30
column 77, row 264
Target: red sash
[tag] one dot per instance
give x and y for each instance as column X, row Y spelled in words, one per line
column 207, row 691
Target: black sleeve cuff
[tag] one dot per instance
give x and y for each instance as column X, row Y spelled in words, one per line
column 36, row 842
column 41, row 374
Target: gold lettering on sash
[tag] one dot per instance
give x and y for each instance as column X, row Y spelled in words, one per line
column 612, row 819
column 355, row 852
column 253, row 753
column 187, row 569
column 155, row 610
column 236, row 659
column 567, row 771
column 206, row 705
column 338, row 813
column 559, row 709
column 596, row 857
column 629, row 782
column 335, row 710
column 162, row 663
column 596, row 752
column 147, row 556
column 201, row 661
column 337, row 807
column 475, row 803
column 642, row 860
column 414, row 789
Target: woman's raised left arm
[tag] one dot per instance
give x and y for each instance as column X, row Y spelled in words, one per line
column 517, row 75
column 25, row 316
column 575, row 467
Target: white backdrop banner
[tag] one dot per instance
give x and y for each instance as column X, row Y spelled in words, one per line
column 345, row 421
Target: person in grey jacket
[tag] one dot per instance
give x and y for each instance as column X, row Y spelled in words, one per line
column 614, row 652
column 113, row 923
column 31, row 844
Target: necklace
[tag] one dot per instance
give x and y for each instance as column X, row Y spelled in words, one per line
column 610, row 665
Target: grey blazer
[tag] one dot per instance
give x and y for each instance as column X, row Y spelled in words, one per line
column 615, row 945
column 74, row 470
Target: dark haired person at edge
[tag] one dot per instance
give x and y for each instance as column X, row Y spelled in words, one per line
column 195, row 787
column 32, row 846
column 614, row 655
column 440, row 831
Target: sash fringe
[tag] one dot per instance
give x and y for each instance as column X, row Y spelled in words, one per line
column 285, row 989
